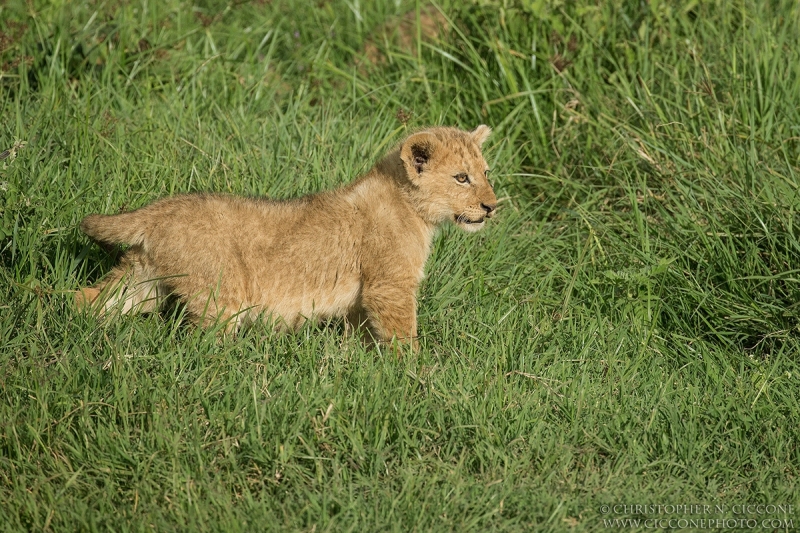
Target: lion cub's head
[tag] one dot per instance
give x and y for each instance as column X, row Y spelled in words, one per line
column 449, row 174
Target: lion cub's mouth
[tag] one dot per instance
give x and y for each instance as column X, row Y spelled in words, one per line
column 462, row 219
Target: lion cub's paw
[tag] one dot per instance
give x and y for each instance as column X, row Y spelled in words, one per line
column 85, row 297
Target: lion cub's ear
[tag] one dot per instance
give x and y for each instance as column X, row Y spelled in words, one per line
column 480, row 134
column 418, row 151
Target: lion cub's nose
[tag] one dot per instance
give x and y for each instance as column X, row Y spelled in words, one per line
column 489, row 208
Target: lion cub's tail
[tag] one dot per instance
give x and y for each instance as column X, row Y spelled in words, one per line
column 125, row 228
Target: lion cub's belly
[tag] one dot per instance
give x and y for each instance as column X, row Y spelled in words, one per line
column 291, row 306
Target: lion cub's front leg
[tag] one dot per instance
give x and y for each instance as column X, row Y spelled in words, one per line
column 391, row 308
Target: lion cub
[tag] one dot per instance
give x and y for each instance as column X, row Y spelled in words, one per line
column 358, row 251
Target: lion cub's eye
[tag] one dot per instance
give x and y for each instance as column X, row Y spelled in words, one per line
column 462, row 178
column 486, row 172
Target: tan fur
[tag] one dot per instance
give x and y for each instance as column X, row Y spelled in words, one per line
column 356, row 252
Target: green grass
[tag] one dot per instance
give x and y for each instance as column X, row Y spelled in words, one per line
column 625, row 331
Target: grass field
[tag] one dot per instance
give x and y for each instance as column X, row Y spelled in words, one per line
column 625, row 331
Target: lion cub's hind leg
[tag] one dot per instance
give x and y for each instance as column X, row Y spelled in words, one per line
column 131, row 287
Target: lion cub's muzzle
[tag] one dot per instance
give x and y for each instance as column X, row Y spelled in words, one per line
column 488, row 212
column 469, row 217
